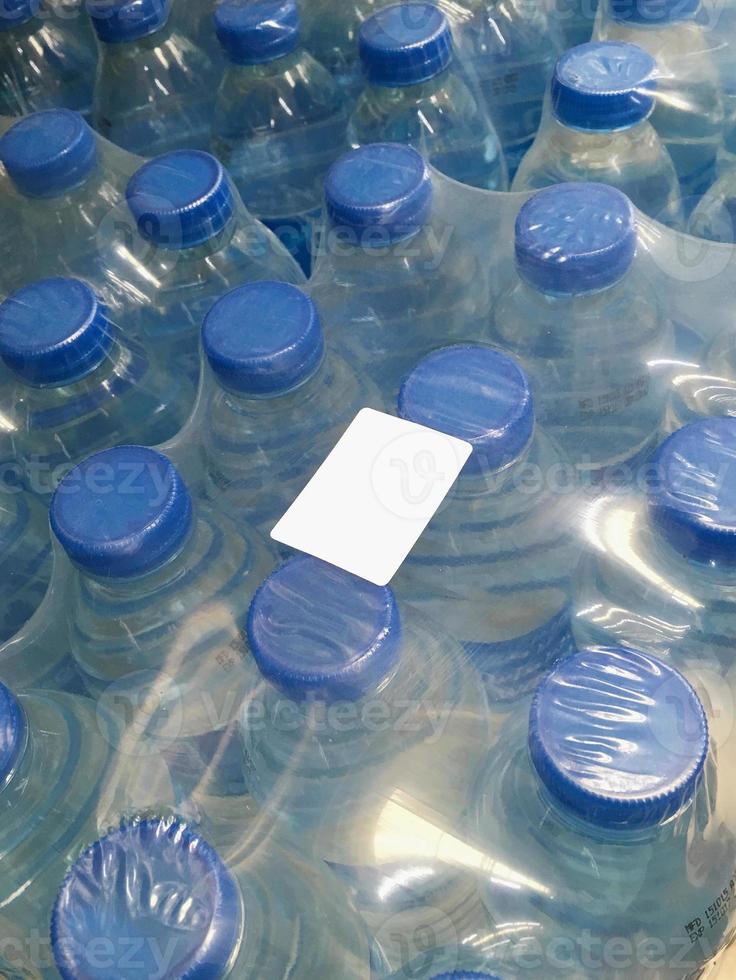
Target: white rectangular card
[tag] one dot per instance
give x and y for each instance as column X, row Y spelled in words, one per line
column 367, row 504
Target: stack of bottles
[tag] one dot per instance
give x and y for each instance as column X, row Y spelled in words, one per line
column 226, row 228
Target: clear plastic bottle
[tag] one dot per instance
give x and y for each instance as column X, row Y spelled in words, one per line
column 495, row 565
column 596, row 128
column 508, row 48
column 265, row 914
column 583, row 321
column 79, row 384
column 191, row 241
column 156, row 607
column 149, row 93
column 44, row 64
column 61, row 784
column 612, row 818
column 689, row 115
column 280, row 119
column 62, row 183
column 416, row 96
column 275, row 403
column 659, row 570
column 394, row 280
column 363, row 739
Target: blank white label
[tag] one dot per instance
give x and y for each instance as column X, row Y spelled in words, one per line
column 367, row 504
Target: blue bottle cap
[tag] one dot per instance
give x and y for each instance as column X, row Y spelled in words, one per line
column 264, row 338
column 315, row 630
column 48, row 152
column 181, row 199
column 122, row 512
column 54, row 332
column 252, row 32
column 381, row 192
column 575, row 238
column 154, row 880
column 405, row 44
column 618, row 737
column 692, row 496
column 15, row 12
column 653, row 12
column 604, row 86
column 13, row 727
column 474, row 393
column 118, row 21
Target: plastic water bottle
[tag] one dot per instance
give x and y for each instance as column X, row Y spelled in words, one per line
column 331, row 30
column 394, row 279
column 494, row 566
column 61, row 783
column 155, row 610
column 62, row 182
column 25, row 555
column 583, row 324
column 183, row 240
column 604, row 801
column 44, row 64
column 275, row 403
column 149, row 94
column 662, row 576
column 689, row 114
column 362, row 740
column 415, row 95
column 508, row 50
column 280, row 119
column 597, row 128
column 79, row 384
column 262, row 913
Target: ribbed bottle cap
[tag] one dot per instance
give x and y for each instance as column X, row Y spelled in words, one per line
column 181, row 199
column 604, row 86
column 381, row 192
column 474, row 393
column 252, row 32
column 48, row 152
column 653, row 12
column 12, row 733
column 405, row 44
column 315, row 630
column 575, row 238
column 155, row 886
column 118, row 21
column 15, row 12
column 618, row 737
column 264, row 338
column 54, row 332
column 122, row 512
column 692, row 496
